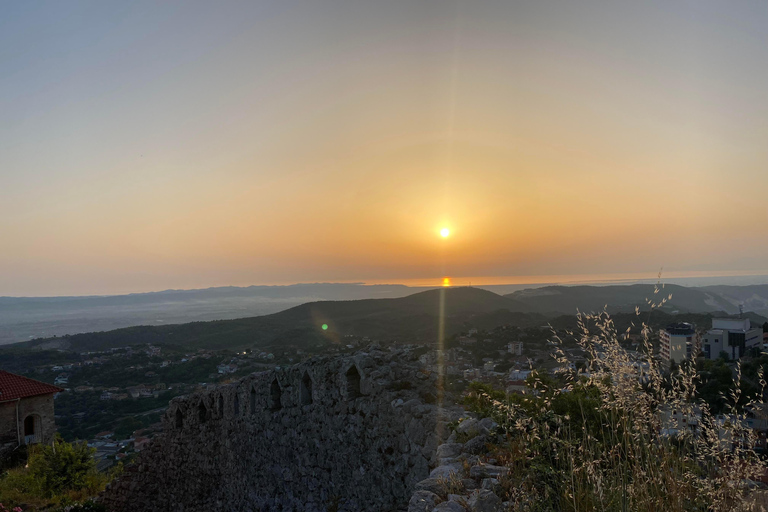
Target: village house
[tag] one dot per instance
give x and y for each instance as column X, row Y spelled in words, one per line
column 26, row 411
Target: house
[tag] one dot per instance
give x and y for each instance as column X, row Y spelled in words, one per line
column 227, row 368
column 731, row 337
column 519, row 374
column 518, row 386
column 472, row 373
column 26, row 410
column 676, row 422
column 139, row 391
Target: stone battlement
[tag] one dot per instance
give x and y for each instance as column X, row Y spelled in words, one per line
column 345, row 433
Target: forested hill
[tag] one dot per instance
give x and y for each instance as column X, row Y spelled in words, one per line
column 414, row 318
column 623, row 298
column 411, row 319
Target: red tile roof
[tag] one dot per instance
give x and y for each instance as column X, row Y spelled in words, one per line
column 14, row 386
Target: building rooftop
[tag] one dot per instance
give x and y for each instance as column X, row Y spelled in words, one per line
column 681, row 329
column 731, row 324
column 14, row 386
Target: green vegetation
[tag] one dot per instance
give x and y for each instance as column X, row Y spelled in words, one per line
column 100, row 415
column 55, row 476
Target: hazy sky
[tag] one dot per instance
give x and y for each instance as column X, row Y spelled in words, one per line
column 148, row 145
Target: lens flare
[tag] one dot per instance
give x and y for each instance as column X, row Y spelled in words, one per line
column 325, row 327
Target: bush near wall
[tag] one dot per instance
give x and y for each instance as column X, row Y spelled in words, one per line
column 55, row 476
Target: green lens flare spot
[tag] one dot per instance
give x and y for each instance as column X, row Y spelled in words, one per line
column 325, row 327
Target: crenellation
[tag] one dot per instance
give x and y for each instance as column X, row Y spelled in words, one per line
column 331, row 430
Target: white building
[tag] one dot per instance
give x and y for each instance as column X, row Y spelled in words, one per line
column 679, row 341
column 519, row 374
column 734, row 336
column 675, row 422
column 516, row 348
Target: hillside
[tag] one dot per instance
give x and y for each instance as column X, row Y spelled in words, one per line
column 25, row 318
column 621, row 298
column 408, row 319
column 753, row 297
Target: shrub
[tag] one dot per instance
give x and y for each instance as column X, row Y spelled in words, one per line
column 61, row 466
column 61, row 474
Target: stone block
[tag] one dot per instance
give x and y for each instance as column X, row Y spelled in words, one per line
column 449, row 506
column 487, row 471
column 484, row 501
column 423, row 501
column 447, row 470
column 448, row 450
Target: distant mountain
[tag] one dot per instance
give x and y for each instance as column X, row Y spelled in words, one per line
column 24, row 318
column 622, row 298
column 753, row 297
column 414, row 318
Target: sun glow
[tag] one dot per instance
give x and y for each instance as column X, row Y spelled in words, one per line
column 446, row 281
column 445, row 232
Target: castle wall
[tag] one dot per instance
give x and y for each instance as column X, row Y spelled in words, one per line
column 350, row 434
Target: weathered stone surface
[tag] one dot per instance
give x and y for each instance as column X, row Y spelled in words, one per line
column 486, row 425
column 423, row 501
column 469, row 484
column 487, row 471
column 435, row 485
column 447, row 470
column 484, row 501
column 449, row 506
column 328, row 432
column 490, row 484
column 467, row 426
column 476, row 445
column 448, row 450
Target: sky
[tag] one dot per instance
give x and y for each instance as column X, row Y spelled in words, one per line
column 155, row 145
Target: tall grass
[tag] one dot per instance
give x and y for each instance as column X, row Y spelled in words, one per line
column 595, row 440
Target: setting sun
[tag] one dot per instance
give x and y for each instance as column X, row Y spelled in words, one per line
column 445, row 232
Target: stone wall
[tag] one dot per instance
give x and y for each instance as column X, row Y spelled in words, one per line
column 349, row 434
column 466, row 477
